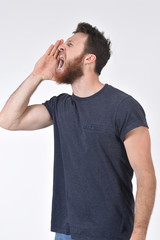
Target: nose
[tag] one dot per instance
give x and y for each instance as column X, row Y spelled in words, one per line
column 61, row 47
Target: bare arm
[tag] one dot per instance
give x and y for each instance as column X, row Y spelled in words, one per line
column 18, row 101
column 138, row 148
column 16, row 114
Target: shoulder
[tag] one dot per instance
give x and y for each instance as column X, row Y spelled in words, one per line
column 57, row 99
column 61, row 97
column 123, row 102
column 117, row 95
column 120, row 97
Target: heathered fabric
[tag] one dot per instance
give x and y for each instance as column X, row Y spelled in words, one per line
column 92, row 183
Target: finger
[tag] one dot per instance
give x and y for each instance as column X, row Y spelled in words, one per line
column 49, row 49
column 56, row 53
column 55, row 47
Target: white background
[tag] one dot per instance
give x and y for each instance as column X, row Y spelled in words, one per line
column 27, row 28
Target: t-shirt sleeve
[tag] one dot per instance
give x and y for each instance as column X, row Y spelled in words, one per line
column 129, row 115
column 50, row 105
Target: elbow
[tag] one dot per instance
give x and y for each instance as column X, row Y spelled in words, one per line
column 4, row 126
column 147, row 177
column 3, row 123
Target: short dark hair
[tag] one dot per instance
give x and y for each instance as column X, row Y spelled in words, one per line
column 96, row 44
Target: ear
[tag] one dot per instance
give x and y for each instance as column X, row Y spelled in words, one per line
column 89, row 58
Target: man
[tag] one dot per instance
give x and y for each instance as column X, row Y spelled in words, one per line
column 100, row 137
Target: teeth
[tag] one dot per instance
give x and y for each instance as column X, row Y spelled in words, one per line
column 60, row 64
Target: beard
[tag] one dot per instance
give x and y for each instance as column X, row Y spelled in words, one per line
column 73, row 69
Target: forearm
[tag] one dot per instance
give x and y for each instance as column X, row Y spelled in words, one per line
column 16, row 105
column 145, row 196
column 18, row 101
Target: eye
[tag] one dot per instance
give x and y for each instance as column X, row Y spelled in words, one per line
column 69, row 44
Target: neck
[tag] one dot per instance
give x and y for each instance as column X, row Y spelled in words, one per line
column 87, row 85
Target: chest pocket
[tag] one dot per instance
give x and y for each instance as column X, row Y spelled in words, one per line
column 94, row 127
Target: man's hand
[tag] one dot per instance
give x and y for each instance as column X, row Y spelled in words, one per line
column 17, row 105
column 48, row 63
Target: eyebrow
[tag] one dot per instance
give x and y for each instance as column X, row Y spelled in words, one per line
column 69, row 40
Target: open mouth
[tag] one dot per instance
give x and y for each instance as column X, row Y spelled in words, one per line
column 61, row 63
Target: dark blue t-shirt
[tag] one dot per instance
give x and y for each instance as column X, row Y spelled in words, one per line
column 92, row 185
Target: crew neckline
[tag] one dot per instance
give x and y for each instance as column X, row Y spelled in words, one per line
column 91, row 96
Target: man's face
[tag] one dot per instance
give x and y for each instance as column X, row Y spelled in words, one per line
column 72, row 54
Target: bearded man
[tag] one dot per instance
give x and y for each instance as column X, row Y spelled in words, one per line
column 101, row 137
